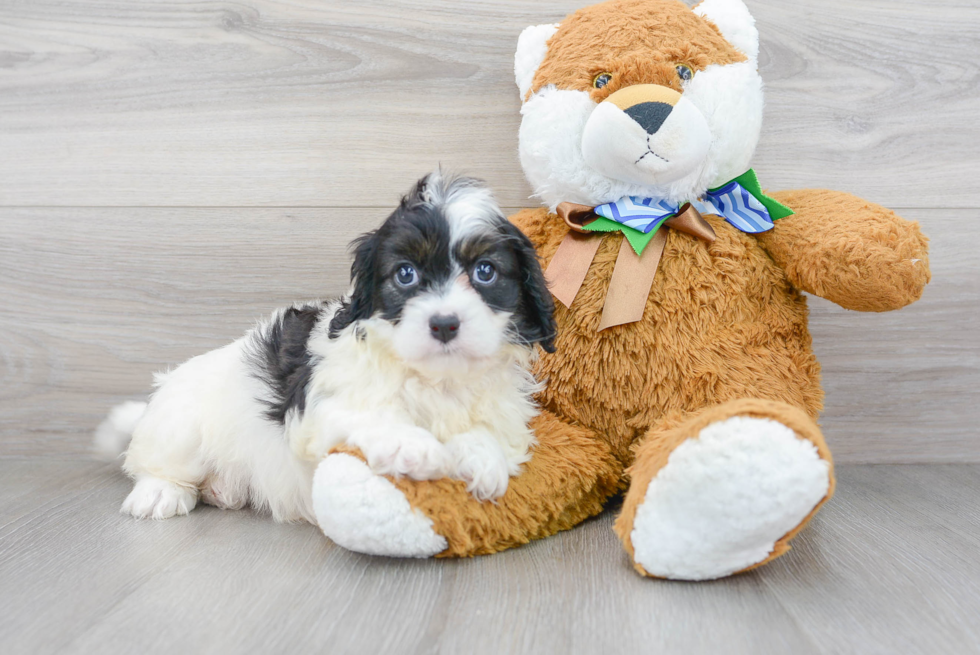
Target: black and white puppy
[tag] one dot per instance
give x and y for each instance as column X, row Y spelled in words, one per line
column 424, row 367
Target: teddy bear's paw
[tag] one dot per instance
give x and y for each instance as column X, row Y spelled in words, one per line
column 725, row 498
column 366, row 513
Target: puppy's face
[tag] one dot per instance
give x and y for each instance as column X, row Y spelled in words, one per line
column 448, row 280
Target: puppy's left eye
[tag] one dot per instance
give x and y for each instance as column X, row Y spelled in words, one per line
column 406, row 276
column 684, row 72
column 484, row 273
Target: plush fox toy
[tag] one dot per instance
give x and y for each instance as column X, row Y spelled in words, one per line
column 683, row 375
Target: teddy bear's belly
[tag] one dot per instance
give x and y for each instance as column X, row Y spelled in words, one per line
column 721, row 323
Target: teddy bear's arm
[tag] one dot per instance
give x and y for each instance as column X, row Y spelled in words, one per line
column 571, row 475
column 848, row 250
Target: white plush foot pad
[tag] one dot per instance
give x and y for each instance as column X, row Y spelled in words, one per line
column 725, row 498
column 366, row 513
column 153, row 498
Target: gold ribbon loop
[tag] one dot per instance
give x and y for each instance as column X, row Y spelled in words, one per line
column 689, row 221
column 576, row 216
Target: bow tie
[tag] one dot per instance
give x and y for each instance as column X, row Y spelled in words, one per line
column 740, row 202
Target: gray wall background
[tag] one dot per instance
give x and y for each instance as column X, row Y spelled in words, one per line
column 170, row 171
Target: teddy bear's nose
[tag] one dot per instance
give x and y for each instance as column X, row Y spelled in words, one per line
column 650, row 115
column 647, row 104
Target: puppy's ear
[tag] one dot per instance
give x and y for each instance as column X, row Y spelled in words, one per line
column 536, row 318
column 360, row 305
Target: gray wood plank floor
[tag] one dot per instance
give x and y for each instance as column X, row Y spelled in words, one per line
column 170, row 171
column 890, row 566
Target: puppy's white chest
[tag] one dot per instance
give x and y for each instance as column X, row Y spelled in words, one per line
column 445, row 409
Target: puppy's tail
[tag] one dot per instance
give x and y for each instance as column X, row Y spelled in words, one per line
column 113, row 434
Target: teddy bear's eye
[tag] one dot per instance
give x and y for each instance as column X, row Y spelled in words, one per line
column 601, row 80
column 684, row 72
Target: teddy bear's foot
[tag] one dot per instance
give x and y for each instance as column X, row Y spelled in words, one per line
column 727, row 499
column 366, row 513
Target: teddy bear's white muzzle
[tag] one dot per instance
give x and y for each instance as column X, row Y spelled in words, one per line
column 646, row 136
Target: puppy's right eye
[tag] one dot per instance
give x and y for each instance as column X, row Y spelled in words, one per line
column 484, row 273
column 601, row 80
column 406, row 276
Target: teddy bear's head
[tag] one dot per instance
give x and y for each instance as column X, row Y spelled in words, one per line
column 642, row 98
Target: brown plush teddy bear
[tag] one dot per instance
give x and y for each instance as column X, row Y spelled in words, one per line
column 683, row 375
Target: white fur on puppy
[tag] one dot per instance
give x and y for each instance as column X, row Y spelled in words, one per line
column 424, row 367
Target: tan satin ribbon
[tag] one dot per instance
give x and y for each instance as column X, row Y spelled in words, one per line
column 632, row 276
column 569, row 266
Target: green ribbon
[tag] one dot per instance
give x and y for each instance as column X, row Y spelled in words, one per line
column 639, row 240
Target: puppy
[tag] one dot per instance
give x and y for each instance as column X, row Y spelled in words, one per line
column 424, row 366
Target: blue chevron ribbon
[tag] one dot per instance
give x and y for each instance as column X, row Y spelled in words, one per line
column 740, row 202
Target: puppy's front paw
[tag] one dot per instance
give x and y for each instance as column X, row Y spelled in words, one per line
column 403, row 450
column 153, row 498
column 480, row 462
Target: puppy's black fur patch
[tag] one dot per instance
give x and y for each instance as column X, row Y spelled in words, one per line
column 415, row 233
column 521, row 289
column 282, row 361
column 360, row 305
column 535, row 318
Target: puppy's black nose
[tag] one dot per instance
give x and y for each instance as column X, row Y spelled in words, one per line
column 444, row 328
column 650, row 115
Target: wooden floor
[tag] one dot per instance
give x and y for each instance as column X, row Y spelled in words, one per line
column 171, row 170
column 890, row 566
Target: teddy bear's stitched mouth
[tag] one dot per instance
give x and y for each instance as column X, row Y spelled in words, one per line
column 651, row 152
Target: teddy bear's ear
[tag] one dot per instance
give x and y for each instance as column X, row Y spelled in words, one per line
column 735, row 22
column 532, row 46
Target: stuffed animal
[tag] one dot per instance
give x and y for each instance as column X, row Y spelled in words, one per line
column 684, row 374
